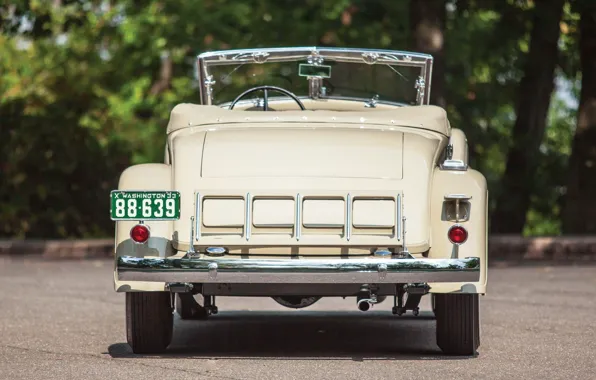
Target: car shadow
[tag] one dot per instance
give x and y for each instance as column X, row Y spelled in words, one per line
column 323, row 335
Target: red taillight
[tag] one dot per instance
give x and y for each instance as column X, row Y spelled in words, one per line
column 457, row 234
column 139, row 233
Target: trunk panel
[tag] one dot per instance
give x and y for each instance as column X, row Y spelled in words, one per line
column 321, row 163
column 284, row 152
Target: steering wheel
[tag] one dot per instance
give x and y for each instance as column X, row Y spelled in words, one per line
column 265, row 96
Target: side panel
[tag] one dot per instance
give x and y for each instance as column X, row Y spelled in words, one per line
column 473, row 184
column 144, row 177
column 420, row 154
column 187, row 157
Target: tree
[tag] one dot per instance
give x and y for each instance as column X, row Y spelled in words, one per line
column 533, row 101
column 579, row 212
column 427, row 35
column 86, row 88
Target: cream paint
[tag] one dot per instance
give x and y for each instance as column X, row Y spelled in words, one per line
column 424, row 133
column 431, row 118
column 420, row 149
column 310, row 150
column 374, row 213
column 473, row 184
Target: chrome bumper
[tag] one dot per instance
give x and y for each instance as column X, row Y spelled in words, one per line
column 298, row 271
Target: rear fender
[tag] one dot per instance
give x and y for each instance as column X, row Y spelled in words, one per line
column 144, row 177
column 470, row 183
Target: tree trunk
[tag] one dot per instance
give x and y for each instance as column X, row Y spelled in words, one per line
column 427, row 33
column 579, row 211
column 534, row 95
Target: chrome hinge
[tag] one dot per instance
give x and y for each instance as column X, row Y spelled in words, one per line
column 449, row 152
column 372, row 103
column 404, row 253
column 420, row 86
column 449, row 163
column 191, row 244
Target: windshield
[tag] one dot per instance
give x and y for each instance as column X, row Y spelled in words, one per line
column 387, row 76
column 346, row 80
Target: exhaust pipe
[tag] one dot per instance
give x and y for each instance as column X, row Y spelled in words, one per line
column 367, row 297
column 364, row 304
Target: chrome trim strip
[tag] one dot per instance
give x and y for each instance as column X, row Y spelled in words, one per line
column 456, row 165
column 201, row 70
column 248, row 217
column 428, row 74
column 191, row 245
column 348, row 217
column 398, row 217
column 298, row 221
column 420, row 86
column 197, row 217
column 288, row 54
column 284, row 54
column 321, row 271
column 404, row 250
column 453, row 197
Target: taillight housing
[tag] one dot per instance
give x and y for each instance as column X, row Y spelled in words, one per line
column 457, row 234
column 140, row 233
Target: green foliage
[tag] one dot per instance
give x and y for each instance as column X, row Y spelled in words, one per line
column 544, row 216
column 482, row 82
column 482, row 77
column 87, row 88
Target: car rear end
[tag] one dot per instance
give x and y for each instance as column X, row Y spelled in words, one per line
column 305, row 210
column 319, row 198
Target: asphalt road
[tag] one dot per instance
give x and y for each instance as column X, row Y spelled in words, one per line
column 62, row 320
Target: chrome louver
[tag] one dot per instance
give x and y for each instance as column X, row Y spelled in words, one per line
column 355, row 218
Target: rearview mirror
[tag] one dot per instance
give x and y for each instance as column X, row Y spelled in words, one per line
column 309, row 70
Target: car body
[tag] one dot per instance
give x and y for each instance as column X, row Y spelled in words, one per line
column 347, row 183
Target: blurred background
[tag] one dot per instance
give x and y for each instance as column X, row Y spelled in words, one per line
column 86, row 87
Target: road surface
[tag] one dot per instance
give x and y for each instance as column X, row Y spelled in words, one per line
column 62, row 320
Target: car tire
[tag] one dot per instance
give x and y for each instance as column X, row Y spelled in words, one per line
column 188, row 308
column 458, row 323
column 149, row 321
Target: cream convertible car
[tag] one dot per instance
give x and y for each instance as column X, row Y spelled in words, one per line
column 304, row 173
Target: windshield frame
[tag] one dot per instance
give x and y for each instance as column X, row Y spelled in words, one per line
column 314, row 54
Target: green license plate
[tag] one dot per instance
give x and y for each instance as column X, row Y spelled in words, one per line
column 144, row 205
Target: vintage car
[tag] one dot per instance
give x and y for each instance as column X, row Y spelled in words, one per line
column 304, row 173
